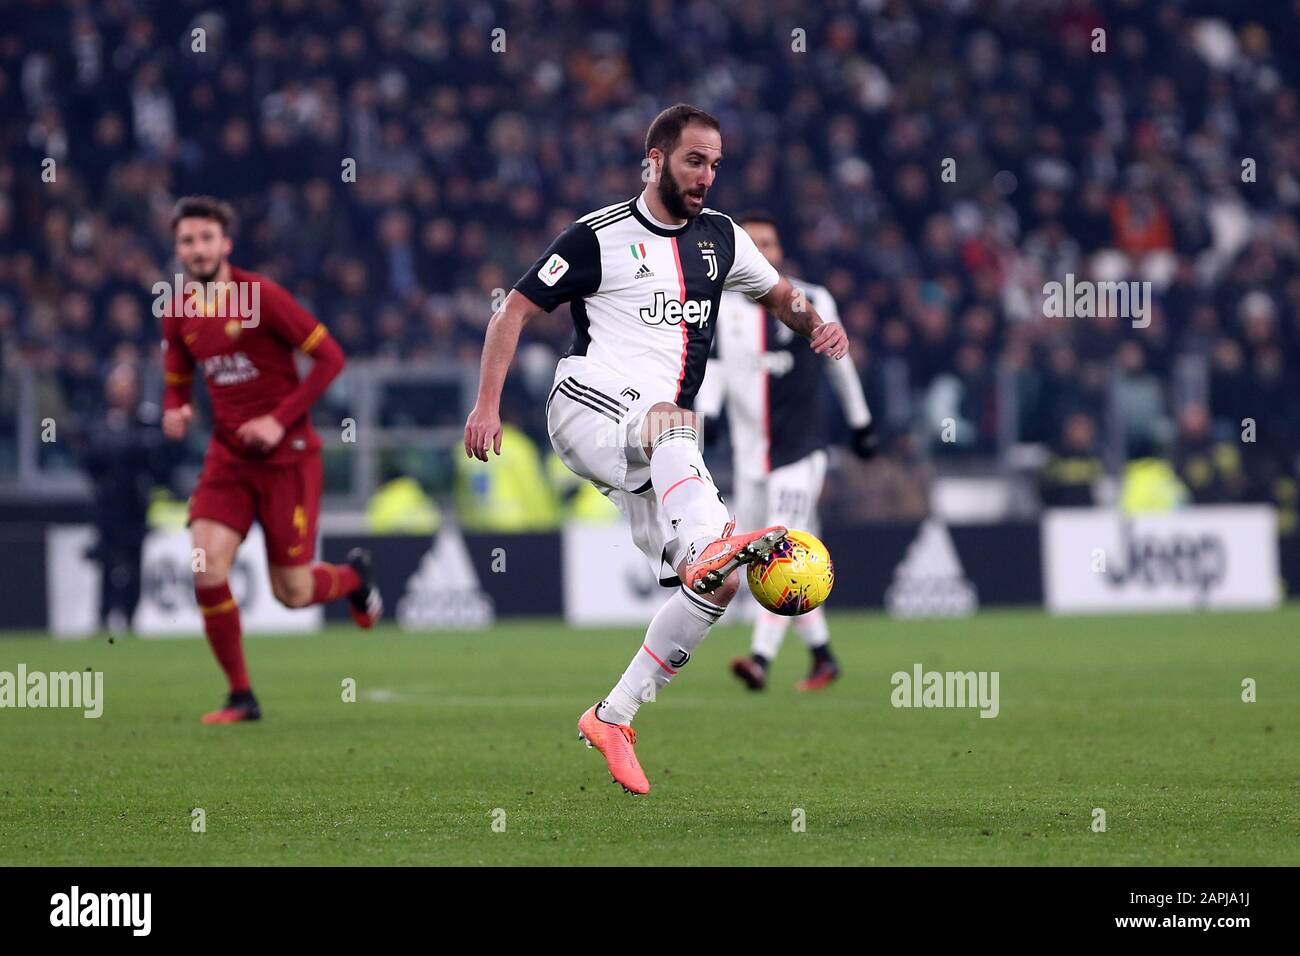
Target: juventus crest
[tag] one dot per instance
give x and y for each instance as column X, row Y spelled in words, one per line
column 710, row 258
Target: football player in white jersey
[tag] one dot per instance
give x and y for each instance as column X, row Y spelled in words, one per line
column 771, row 388
column 643, row 279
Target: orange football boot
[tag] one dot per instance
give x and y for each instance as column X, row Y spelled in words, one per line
column 240, row 705
column 615, row 742
column 723, row 555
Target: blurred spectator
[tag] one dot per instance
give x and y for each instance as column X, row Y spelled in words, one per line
column 1210, row 469
column 123, row 452
column 1149, row 483
column 1140, row 397
column 1067, row 479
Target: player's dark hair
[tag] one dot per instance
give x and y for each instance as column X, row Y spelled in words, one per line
column 666, row 130
column 760, row 216
column 204, row 207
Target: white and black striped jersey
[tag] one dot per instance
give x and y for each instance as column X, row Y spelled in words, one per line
column 645, row 295
column 770, row 381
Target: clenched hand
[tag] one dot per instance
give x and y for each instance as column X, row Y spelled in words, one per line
column 829, row 339
column 176, row 420
column 262, row 433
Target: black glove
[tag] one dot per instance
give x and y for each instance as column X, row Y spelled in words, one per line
column 864, row 441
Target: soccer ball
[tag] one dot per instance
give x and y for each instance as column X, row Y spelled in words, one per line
column 796, row 577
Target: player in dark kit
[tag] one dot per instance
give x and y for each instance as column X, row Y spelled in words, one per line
column 771, row 388
column 263, row 461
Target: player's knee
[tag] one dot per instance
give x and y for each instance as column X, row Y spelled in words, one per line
column 292, row 592
column 210, row 569
column 663, row 416
column 211, row 556
column 211, row 577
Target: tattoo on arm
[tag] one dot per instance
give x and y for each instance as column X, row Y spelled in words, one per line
column 791, row 307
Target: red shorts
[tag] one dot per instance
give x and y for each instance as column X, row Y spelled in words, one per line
column 285, row 500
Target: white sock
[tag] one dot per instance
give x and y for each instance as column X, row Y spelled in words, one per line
column 769, row 632
column 812, row 629
column 686, row 490
column 674, row 634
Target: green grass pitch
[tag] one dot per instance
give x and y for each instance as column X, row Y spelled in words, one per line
column 1140, row 716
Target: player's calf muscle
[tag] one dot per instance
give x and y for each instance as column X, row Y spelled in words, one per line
column 723, row 595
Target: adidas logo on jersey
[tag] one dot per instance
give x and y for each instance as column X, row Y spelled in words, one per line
column 643, row 273
column 672, row 312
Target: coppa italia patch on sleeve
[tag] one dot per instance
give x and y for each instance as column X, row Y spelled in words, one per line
column 555, row 267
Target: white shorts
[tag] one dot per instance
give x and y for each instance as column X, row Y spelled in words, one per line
column 594, row 418
column 786, row 496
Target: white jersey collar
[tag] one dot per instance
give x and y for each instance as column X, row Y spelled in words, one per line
column 649, row 218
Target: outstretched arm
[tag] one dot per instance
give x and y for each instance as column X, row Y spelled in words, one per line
column 792, row 307
column 844, row 375
column 483, row 428
column 848, row 389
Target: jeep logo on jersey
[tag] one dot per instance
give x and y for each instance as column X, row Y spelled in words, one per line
column 671, row 312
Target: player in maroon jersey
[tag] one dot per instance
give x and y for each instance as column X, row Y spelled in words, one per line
column 263, row 460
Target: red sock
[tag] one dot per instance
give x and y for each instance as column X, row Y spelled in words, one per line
column 332, row 581
column 221, row 623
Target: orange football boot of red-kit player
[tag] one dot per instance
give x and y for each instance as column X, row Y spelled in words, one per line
column 240, row 705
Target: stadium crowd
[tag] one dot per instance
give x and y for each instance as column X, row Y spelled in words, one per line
column 1172, row 156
